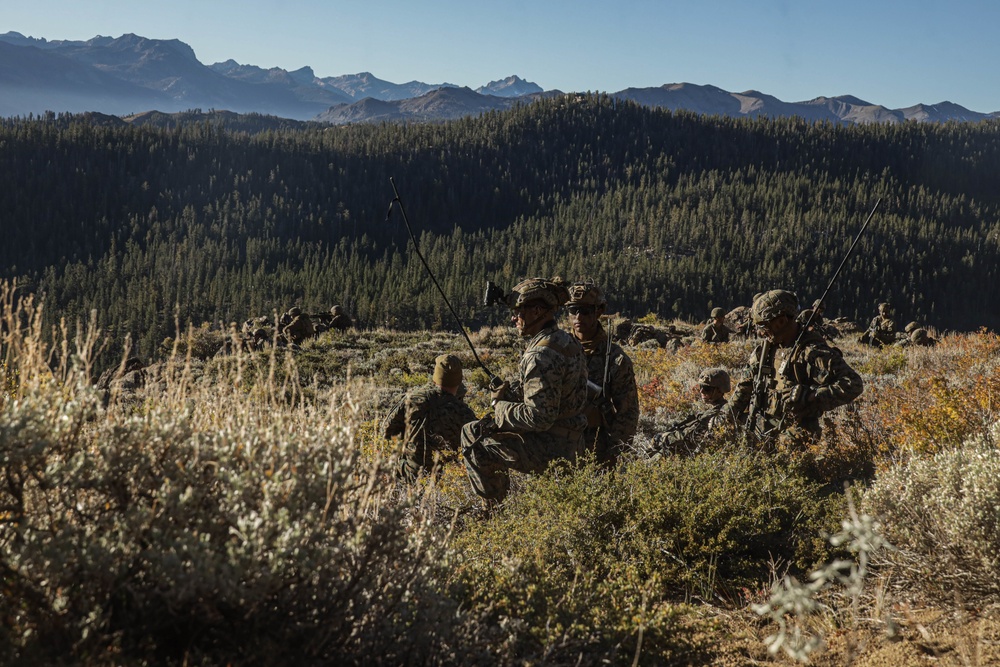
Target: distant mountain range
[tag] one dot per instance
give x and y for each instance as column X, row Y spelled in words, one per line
column 130, row 74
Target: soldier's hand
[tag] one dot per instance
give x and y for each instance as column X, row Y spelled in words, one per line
column 799, row 401
column 485, row 426
column 499, row 393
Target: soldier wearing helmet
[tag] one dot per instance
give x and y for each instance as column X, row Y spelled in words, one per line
column 716, row 331
column 793, row 376
column 340, row 320
column 613, row 412
column 685, row 436
column 882, row 330
column 537, row 418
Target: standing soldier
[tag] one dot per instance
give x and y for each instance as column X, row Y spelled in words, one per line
column 539, row 417
column 613, row 417
column 716, row 331
column 430, row 418
column 793, row 376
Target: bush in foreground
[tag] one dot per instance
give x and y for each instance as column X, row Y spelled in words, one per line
column 203, row 528
column 589, row 562
column 942, row 512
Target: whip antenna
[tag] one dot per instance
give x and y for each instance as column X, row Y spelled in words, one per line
column 461, row 326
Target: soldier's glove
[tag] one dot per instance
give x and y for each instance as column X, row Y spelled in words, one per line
column 499, row 392
column 800, row 401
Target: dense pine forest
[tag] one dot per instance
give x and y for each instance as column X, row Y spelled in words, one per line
column 675, row 213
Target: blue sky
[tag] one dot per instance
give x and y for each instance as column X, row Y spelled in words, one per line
column 886, row 52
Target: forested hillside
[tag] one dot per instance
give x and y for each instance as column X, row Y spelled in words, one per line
column 675, row 213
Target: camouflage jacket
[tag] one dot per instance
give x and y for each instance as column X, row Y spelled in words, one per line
column 882, row 329
column 682, row 436
column 551, row 391
column 819, row 367
column 713, row 333
column 429, row 420
column 621, row 389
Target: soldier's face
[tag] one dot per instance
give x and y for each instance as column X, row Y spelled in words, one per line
column 528, row 319
column 711, row 395
column 585, row 320
column 780, row 330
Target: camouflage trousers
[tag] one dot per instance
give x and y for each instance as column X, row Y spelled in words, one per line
column 489, row 458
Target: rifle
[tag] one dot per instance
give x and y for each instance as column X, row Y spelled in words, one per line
column 759, row 395
column 608, row 411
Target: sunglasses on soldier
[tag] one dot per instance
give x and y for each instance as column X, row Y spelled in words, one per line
column 581, row 310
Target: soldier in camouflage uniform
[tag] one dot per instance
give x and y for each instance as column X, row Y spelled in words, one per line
column 538, row 418
column 794, row 389
column 613, row 414
column 341, row 321
column 296, row 326
column 716, row 331
column 684, row 436
column 430, row 418
column 917, row 336
column 882, row 330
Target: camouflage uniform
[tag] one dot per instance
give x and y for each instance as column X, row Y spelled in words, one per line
column 796, row 391
column 882, row 330
column 539, row 419
column 341, row 321
column 430, row 422
column 610, row 427
column 714, row 332
column 684, row 435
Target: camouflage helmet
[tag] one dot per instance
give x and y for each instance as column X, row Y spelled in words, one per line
column 586, row 294
column 552, row 293
column 919, row 336
column 718, row 312
column 910, row 327
column 336, row 310
column 773, row 304
column 715, row 377
column 884, row 306
column 818, row 305
column 294, row 311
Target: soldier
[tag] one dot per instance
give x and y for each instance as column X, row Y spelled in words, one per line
column 613, row 417
column 341, row 321
column 295, row 326
column 538, row 418
column 430, row 418
column 916, row 335
column 882, row 330
column 819, row 323
column 788, row 386
column 716, row 331
column 684, row 435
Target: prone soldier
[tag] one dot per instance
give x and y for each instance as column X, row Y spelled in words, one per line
column 685, row 435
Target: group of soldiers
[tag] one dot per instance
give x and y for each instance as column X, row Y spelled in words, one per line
column 575, row 391
column 293, row 327
column 882, row 331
